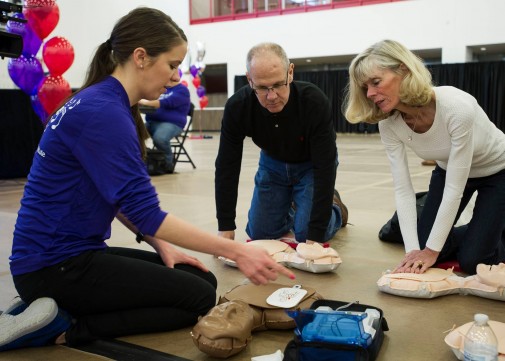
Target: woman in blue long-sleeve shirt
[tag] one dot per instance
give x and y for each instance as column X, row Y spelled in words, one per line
column 88, row 169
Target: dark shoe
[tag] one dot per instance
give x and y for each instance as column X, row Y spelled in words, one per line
column 338, row 201
column 169, row 168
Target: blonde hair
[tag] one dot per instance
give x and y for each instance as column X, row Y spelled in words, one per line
column 415, row 88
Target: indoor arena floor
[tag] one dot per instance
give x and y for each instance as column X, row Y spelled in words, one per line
column 417, row 327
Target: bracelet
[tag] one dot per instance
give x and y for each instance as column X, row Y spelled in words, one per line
column 140, row 237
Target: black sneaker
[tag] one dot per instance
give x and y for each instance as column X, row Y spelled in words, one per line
column 338, row 201
column 169, row 167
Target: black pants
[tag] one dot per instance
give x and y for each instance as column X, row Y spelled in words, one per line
column 119, row 291
column 482, row 240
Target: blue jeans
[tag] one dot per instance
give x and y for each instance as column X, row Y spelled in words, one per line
column 277, row 186
column 162, row 133
column 482, row 240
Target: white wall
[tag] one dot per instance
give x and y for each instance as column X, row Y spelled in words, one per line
column 88, row 23
column 450, row 25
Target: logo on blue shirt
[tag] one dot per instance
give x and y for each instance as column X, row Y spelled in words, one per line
column 58, row 116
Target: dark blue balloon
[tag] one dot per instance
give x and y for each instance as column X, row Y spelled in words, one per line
column 31, row 42
column 200, row 91
column 16, row 27
column 193, row 70
column 39, row 109
column 26, row 73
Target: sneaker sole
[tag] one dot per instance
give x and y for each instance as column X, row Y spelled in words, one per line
column 34, row 327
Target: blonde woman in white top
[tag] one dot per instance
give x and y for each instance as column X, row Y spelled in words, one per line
column 391, row 86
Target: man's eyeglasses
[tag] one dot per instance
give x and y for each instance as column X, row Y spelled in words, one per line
column 264, row 90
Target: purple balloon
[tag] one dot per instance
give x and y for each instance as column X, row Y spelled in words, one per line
column 39, row 109
column 200, row 91
column 180, row 73
column 26, row 73
column 16, row 27
column 31, row 42
column 193, row 70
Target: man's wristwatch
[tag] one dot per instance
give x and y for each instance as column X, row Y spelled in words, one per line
column 140, row 237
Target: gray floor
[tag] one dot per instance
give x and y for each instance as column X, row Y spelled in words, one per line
column 417, row 327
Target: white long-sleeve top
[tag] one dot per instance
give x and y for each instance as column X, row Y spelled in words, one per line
column 462, row 140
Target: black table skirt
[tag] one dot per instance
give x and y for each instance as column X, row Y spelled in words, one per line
column 20, row 132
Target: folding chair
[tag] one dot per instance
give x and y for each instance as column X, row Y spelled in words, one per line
column 177, row 143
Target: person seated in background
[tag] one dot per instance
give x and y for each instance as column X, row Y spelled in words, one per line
column 391, row 86
column 169, row 119
column 88, row 170
column 292, row 123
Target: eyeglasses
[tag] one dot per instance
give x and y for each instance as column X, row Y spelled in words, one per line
column 264, row 90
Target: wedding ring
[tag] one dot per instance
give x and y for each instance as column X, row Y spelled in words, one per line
column 419, row 264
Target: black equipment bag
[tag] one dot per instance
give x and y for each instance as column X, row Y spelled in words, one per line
column 298, row 350
column 156, row 162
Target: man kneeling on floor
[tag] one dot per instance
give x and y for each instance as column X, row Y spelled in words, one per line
column 292, row 123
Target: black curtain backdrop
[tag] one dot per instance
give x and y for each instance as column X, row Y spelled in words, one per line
column 485, row 81
column 21, row 129
column 20, row 132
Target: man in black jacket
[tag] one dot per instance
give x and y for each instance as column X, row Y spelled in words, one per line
column 291, row 122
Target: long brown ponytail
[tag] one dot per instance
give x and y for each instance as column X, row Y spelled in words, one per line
column 144, row 27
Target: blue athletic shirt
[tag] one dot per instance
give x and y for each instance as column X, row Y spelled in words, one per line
column 174, row 107
column 87, row 167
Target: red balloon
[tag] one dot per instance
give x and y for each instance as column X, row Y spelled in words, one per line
column 38, row 3
column 204, row 101
column 58, row 55
column 42, row 18
column 185, row 83
column 52, row 91
column 196, row 81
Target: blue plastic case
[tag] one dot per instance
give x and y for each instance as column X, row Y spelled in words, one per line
column 330, row 335
column 340, row 327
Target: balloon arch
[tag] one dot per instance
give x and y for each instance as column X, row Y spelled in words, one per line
column 196, row 70
column 46, row 89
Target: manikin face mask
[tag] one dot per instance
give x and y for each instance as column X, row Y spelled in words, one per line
column 226, row 329
column 492, row 275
